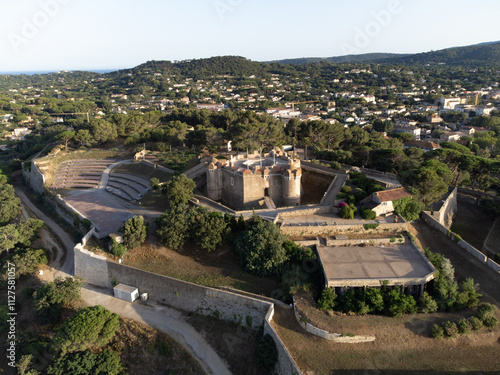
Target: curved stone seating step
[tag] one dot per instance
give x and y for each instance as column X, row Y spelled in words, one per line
column 76, row 181
column 119, row 193
column 131, row 192
column 85, row 177
column 119, row 185
column 140, row 180
column 136, row 185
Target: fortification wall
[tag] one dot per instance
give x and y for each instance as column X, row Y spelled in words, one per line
column 449, row 209
column 35, row 179
column 463, row 244
column 91, row 267
column 187, row 297
column 191, row 297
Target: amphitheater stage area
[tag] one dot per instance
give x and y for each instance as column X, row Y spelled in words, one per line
column 366, row 266
column 104, row 210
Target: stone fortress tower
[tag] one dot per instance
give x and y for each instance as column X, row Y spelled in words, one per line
column 243, row 182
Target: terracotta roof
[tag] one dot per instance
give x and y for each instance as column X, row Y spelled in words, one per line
column 392, row 194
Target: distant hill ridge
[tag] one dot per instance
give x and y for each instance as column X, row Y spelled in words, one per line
column 479, row 55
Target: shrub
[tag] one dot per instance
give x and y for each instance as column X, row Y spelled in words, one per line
column 86, row 362
column 476, row 323
column 370, row 226
column 346, row 189
column 327, row 299
column 50, row 298
column 297, row 253
column 117, row 249
column 437, row 332
column 427, row 304
column 463, row 326
column 368, row 214
column 450, row 329
column 468, row 296
column 485, row 311
column 266, row 353
column 336, row 165
column 490, row 322
column 347, row 212
column 393, row 239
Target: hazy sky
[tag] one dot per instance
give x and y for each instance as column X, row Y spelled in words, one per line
column 91, row 34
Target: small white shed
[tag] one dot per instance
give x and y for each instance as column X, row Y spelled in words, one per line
column 125, row 292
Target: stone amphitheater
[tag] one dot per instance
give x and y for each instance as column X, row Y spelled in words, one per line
column 88, row 174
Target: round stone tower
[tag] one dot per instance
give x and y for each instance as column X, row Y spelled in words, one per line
column 214, row 180
column 291, row 183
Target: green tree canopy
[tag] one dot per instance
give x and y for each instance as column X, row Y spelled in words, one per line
column 180, row 190
column 9, row 204
column 135, row 232
column 90, row 328
column 260, row 249
column 83, row 363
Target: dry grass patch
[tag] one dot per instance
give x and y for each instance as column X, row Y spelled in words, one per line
column 144, row 350
column 400, row 347
column 216, row 269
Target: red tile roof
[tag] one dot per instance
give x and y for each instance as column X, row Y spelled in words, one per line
column 392, row 194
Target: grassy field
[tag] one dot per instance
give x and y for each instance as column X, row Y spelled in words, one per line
column 216, row 269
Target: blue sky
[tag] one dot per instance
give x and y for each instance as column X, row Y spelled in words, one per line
column 91, row 34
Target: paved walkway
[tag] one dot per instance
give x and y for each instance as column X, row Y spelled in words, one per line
column 107, row 171
column 167, row 320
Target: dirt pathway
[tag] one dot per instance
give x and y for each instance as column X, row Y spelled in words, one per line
column 67, row 267
column 465, row 264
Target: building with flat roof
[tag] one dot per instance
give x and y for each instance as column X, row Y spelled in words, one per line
column 368, row 266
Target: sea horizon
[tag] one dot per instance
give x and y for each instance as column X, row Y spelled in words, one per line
column 34, row 72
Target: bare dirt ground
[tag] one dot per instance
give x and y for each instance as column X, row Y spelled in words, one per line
column 234, row 343
column 472, row 224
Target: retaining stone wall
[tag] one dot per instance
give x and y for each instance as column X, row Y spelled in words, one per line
column 494, row 265
column 286, row 364
column 328, row 230
column 353, row 242
column 336, row 337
